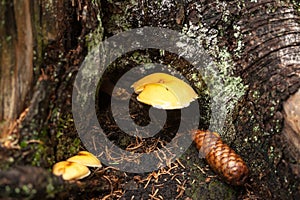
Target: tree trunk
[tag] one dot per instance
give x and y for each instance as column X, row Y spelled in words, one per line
column 25, row 34
column 270, row 66
column 16, row 60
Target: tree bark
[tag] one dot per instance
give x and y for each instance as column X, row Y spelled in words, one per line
column 16, row 59
column 268, row 63
column 270, row 66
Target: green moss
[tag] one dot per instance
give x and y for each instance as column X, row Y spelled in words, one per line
column 256, row 94
column 51, row 190
column 220, row 191
column 66, row 135
column 274, row 155
column 296, row 4
column 256, row 128
column 119, row 13
column 42, row 144
column 25, row 191
column 201, row 186
column 96, row 36
column 38, row 154
column 28, row 189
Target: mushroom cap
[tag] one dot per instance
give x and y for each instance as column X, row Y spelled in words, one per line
column 70, row 170
column 164, row 91
column 85, row 158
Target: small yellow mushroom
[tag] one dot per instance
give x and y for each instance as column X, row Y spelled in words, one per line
column 70, row 170
column 164, row 91
column 85, row 158
column 166, row 98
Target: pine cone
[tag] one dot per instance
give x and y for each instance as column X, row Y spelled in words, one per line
column 220, row 157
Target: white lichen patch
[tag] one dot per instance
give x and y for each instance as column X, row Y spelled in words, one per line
column 224, row 88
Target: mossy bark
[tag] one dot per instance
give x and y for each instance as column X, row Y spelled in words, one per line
column 40, row 42
column 262, row 40
column 255, row 45
column 269, row 65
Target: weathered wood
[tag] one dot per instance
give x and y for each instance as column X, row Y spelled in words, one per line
column 16, row 59
column 26, row 29
column 291, row 129
column 270, row 66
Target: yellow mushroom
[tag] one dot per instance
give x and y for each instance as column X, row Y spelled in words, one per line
column 164, row 91
column 85, row 158
column 70, row 170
